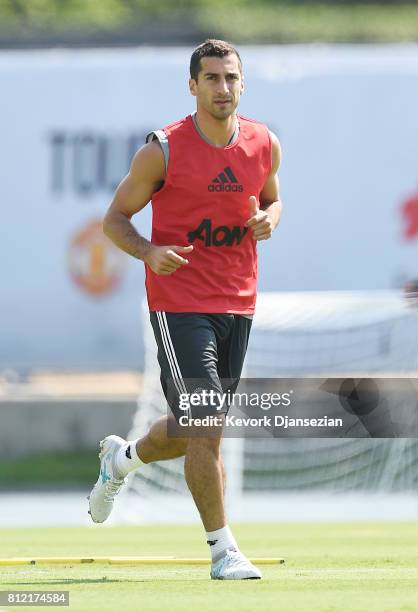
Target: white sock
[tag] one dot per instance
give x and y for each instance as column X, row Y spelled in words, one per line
column 219, row 541
column 127, row 458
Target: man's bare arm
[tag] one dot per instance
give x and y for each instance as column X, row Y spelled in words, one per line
column 270, row 196
column 132, row 195
column 145, row 176
column 264, row 219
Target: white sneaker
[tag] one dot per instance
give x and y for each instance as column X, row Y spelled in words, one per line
column 109, row 482
column 234, row 566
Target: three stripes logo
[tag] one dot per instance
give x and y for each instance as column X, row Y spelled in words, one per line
column 225, row 181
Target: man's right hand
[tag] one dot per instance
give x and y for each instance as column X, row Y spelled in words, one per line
column 165, row 260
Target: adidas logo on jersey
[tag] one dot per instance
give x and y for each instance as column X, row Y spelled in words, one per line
column 225, row 181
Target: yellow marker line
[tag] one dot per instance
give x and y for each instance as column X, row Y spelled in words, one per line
column 124, row 561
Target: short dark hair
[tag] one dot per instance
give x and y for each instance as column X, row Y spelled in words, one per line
column 210, row 48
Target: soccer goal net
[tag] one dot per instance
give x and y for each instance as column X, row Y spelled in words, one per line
column 298, row 335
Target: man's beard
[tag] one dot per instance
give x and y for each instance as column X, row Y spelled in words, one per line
column 220, row 113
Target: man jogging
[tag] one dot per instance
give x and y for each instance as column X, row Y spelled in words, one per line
column 211, row 178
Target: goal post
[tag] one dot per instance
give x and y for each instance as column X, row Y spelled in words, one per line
column 299, row 335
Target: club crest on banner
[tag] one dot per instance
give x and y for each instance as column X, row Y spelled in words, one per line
column 95, row 264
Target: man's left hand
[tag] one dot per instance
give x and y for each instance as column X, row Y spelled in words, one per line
column 260, row 221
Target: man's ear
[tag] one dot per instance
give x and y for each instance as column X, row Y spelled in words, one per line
column 242, row 84
column 192, row 87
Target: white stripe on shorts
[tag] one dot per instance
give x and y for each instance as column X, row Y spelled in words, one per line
column 171, row 355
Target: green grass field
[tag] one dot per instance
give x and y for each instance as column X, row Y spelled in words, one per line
column 369, row 567
column 49, row 469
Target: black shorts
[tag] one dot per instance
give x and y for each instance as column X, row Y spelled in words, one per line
column 198, row 352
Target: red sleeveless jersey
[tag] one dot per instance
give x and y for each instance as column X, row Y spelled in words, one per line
column 205, row 202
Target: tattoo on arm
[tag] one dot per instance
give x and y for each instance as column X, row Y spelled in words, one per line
column 122, row 232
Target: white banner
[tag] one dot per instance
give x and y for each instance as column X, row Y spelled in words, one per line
column 70, row 122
